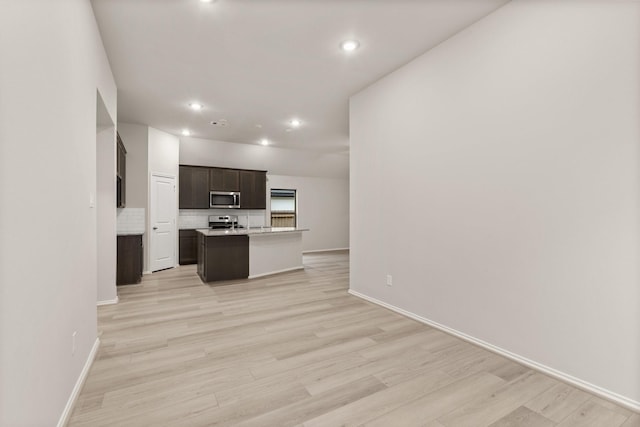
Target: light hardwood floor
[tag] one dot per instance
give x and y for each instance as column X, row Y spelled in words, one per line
column 296, row 350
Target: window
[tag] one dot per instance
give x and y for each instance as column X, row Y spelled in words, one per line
column 283, row 208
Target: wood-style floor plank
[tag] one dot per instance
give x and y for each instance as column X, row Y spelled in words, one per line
column 592, row 414
column 632, row 421
column 523, row 417
column 558, row 402
column 429, row 407
column 296, row 349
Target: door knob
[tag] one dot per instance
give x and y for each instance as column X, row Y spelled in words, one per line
column 155, row 228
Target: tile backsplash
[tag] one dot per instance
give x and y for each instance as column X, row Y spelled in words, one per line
column 130, row 220
column 199, row 218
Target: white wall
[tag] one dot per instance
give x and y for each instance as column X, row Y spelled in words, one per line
column 281, row 161
column 321, row 180
column 52, row 63
column 164, row 152
column 512, row 150
column 323, row 208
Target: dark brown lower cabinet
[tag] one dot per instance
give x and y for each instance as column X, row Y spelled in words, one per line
column 129, row 259
column 188, row 247
column 223, row 257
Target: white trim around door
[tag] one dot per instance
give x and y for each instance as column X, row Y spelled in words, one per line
column 162, row 222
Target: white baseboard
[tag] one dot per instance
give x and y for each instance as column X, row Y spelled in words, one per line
column 64, row 418
column 109, row 301
column 144, row 273
column 325, row 250
column 576, row 382
column 301, row 267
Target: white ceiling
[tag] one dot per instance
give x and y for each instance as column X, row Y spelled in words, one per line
column 262, row 62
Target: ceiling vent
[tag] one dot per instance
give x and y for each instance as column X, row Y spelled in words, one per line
column 220, row 123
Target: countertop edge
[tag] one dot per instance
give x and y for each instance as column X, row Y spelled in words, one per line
column 251, row 232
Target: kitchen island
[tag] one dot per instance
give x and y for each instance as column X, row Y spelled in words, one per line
column 241, row 253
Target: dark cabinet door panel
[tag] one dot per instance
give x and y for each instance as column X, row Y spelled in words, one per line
column 221, row 179
column 260, row 194
column 194, row 187
column 246, row 189
column 129, row 259
column 200, row 188
column 253, row 189
column 223, row 257
column 184, row 188
column 188, row 247
column 201, row 248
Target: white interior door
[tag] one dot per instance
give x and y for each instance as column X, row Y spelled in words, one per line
column 162, row 216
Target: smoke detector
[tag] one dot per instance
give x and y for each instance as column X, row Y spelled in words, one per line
column 220, row 122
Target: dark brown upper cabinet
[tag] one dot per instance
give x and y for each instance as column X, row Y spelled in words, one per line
column 221, row 179
column 197, row 181
column 121, row 173
column 253, row 189
column 194, row 187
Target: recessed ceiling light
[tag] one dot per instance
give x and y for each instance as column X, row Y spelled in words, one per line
column 186, row 132
column 196, row 106
column 295, row 123
column 206, row 1
column 349, row 45
column 264, row 141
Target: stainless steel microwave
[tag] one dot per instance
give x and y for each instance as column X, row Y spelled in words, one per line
column 224, row 199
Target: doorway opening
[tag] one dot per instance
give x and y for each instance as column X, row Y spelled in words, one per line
column 284, row 208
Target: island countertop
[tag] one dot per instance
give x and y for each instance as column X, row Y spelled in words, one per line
column 251, row 231
column 254, row 252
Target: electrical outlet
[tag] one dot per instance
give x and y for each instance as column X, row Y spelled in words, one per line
column 73, row 342
column 389, row 280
